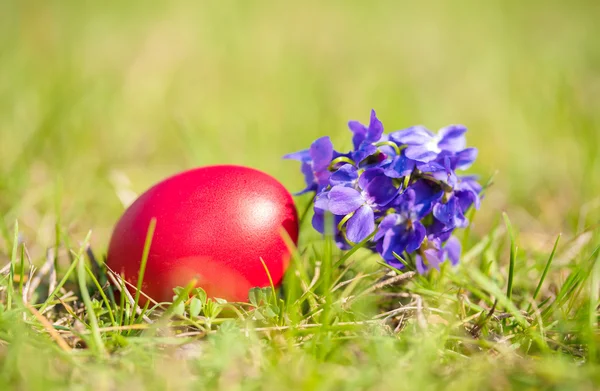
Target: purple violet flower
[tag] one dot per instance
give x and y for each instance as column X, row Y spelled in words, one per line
column 400, row 166
column 424, row 146
column 401, row 231
column 402, row 188
column 315, row 164
column 375, row 191
column 364, row 137
column 346, row 175
column 433, row 253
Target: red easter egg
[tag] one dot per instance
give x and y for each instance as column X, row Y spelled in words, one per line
column 213, row 224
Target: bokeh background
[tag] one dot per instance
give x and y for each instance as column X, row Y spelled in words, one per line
column 99, row 100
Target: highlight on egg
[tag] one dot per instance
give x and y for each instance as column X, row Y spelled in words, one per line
column 214, row 224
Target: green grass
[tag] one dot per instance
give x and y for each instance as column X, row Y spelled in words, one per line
column 100, row 100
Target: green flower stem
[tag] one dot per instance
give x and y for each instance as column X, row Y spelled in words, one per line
column 344, row 220
column 391, row 144
column 341, row 159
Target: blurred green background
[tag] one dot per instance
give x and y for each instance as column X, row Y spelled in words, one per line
column 99, row 100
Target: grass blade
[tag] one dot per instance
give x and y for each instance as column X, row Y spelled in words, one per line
column 10, row 289
column 485, row 283
column 593, row 310
column 58, row 287
column 22, row 271
column 268, row 276
column 142, row 271
column 85, row 295
column 109, row 307
column 87, row 301
column 513, row 255
column 545, row 272
column 355, row 248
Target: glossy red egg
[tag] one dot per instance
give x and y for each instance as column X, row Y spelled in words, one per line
column 213, row 224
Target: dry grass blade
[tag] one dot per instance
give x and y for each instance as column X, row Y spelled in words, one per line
column 404, row 309
column 26, row 294
column 398, row 278
column 49, row 328
column 312, row 326
column 315, row 277
column 358, row 277
column 117, row 280
column 5, row 268
column 47, row 267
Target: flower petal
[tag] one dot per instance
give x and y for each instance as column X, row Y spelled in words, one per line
column 426, row 195
column 451, row 178
column 432, row 258
column 375, row 128
column 388, row 223
column 431, row 167
column 344, row 200
column 361, row 225
column 392, row 243
column 389, row 151
column 322, row 179
column 450, row 214
column 452, row 249
column 415, row 135
column 309, row 178
column 415, row 237
column 439, row 231
column 360, row 133
column 421, row 153
column 322, row 201
column 395, row 263
column 469, row 182
column 420, row 264
column 363, row 152
column 321, row 153
column 445, row 213
column 381, row 190
column 467, row 191
column 400, row 166
column 465, row 158
column 302, row 156
column 318, row 220
column 368, row 175
column 341, row 243
column 452, row 138
column 466, row 199
column 406, row 202
column 345, row 175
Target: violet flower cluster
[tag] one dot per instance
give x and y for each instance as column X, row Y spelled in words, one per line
column 399, row 192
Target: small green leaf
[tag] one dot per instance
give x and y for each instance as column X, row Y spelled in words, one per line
column 229, row 326
column 253, row 296
column 269, row 313
column 212, row 309
column 177, row 291
column 196, row 306
column 258, row 316
column 201, row 295
column 179, row 309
